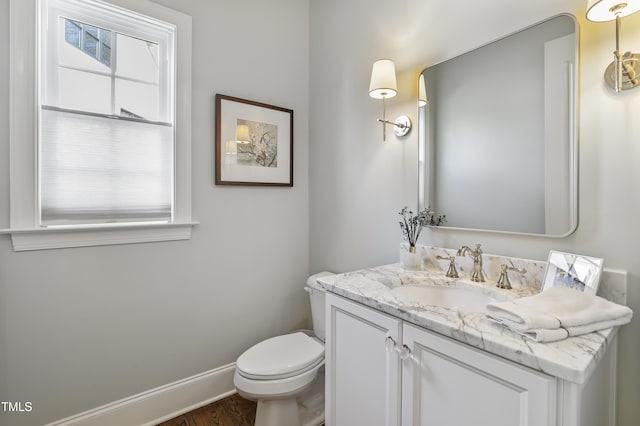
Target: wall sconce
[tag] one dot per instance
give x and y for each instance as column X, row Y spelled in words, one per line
column 621, row 73
column 383, row 86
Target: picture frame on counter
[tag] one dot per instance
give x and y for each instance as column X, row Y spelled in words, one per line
column 573, row 270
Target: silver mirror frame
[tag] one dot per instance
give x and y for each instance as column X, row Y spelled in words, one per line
column 573, row 144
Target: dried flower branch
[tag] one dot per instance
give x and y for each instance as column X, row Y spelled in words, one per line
column 412, row 225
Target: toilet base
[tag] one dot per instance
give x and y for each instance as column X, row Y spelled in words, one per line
column 305, row 410
column 311, row 403
column 277, row 412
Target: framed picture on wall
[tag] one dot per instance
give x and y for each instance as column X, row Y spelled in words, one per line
column 254, row 143
column 574, row 271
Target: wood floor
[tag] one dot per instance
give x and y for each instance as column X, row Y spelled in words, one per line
column 231, row 411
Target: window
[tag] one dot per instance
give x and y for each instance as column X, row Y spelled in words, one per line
column 94, row 41
column 106, row 117
column 109, row 148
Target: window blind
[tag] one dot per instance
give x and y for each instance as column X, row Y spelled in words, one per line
column 96, row 169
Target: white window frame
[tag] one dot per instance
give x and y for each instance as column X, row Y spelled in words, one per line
column 24, row 211
column 135, row 26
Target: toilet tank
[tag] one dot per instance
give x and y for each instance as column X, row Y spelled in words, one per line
column 316, row 299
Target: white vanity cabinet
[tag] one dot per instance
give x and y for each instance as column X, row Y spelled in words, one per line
column 439, row 381
column 397, row 361
column 381, row 370
column 448, row 383
column 363, row 378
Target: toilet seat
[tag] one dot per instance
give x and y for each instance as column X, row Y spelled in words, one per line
column 281, row 357
column 276, row 388
column 278, row 367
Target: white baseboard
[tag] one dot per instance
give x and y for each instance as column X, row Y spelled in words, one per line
column 159, row 404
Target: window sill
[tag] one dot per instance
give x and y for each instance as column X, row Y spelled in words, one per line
column 99, row 235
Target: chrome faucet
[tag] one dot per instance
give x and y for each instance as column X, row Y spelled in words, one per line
column 476, row 255
column 503, row 280
column 452, row 272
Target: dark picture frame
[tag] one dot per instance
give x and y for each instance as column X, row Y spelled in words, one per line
column 254, row 143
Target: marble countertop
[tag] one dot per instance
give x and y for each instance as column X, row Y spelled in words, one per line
column 572, row 359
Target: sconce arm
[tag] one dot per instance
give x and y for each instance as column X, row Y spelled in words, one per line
column 394, row 123
column 401, row 126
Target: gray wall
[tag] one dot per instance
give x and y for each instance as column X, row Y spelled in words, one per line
column 83, row 327
column 358, row 183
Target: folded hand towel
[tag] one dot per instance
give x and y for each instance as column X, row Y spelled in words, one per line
column 520, row 317
column 535, row 334
column 554, row 334
column 558, row 307
column 577, row 330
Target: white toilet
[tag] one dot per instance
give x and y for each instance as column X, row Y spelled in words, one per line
column 285, row 374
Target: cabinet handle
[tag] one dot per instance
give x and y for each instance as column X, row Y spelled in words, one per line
column 405, row 352
column 389, row 343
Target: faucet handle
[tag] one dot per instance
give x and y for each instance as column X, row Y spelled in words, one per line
column 503, row 280
column 452, row 272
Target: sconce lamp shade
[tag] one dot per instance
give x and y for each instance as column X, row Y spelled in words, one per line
column 422, row 92
column 606, row 10
column 383, row 80
column 242, row 133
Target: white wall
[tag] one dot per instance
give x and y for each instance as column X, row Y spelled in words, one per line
column 358, row 183
column 83, row 327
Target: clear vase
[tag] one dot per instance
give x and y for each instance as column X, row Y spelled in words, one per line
column 409, row 259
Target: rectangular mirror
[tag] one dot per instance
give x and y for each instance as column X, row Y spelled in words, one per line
column 498, row 135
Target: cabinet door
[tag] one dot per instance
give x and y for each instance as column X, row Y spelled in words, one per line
column 362, row 374
column 447, row 383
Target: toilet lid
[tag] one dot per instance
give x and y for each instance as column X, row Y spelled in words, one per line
column 280, row 356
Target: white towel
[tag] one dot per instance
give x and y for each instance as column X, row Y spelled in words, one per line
column 545, row 334
column 558, row 313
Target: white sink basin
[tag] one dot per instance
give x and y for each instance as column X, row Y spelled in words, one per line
column 459, row 298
